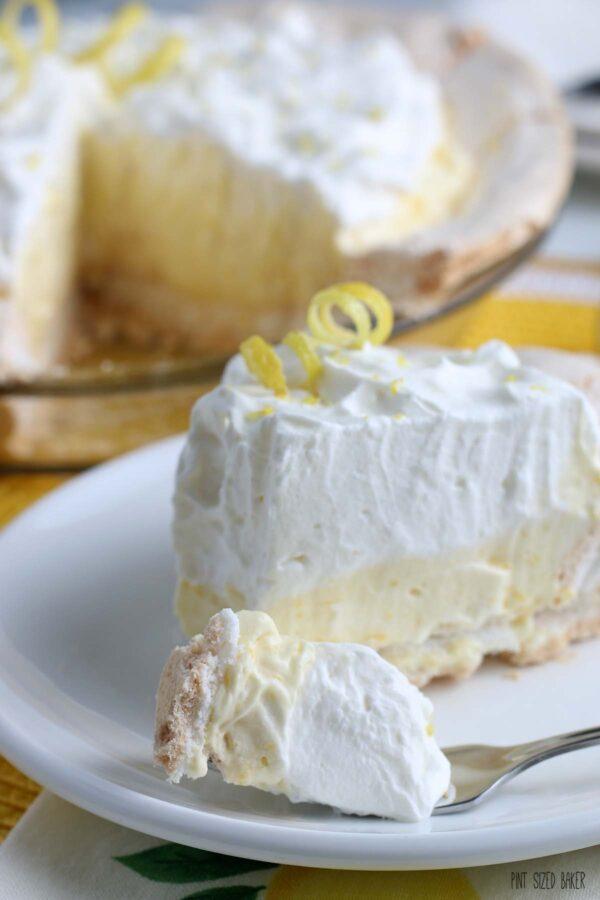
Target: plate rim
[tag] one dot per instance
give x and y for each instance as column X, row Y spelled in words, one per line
column 268, row 841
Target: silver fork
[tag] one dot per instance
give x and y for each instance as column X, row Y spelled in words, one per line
column 477, row 770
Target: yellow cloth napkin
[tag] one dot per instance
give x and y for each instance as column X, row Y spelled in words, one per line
column 549, row 303
column 59, row 851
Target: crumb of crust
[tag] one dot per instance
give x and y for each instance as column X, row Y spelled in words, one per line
column 466, row 40
column 512, row 675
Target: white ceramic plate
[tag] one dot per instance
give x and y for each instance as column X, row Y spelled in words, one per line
column 86, row 577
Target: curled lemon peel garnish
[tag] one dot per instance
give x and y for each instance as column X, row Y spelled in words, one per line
column 264, row 364
column 367, row 308
column 323, row 325
column 20, row 59
column 378, row 304
column 124, row 21
column 157, row 64
column 19, row 54
column 302, row 346
column 357, row 301
column 47, row 16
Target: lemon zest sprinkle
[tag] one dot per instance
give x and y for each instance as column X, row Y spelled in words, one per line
column 311, row 400
column 124, row 21
column 357, row 301
column 303, row 347
column 157, row 64
column 510, row 378
column 47, row 16
column 264, row 364
column 306, row 144
column 376, row 113
column 260, row 413
column 399, row 416
column 540, row 388
column 402, row 360
column 396, row 385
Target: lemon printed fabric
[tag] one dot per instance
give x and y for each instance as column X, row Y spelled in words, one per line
column 58, row 851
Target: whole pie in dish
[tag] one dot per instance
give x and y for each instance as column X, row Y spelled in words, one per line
column 183, row 180
column 438, row 506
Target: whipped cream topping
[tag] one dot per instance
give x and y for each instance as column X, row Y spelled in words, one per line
column 326, row 723
column 406, row 455
column 350, row 115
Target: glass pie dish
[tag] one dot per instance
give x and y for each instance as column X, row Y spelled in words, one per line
column 76, row 416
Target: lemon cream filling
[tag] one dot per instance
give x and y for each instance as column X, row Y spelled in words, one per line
column 415, row 495
column 197, row 176
column 327, row 723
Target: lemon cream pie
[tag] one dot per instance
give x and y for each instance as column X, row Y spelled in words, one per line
column 185, row 179
column 326, row 723
column 438, row 506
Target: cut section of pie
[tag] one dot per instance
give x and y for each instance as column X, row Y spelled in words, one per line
column 437, row 506
column 325, row 723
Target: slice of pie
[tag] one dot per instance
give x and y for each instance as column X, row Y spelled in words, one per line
column 185, row 180
column 325, row 723
column 437, row 506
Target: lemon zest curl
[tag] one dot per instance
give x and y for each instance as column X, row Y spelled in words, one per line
column 157, row 64
column 47, row 16
column 19, row 54
column 368, row 309
column 122, row 24
column 264, row 364
column 358, row 302
column 303, row 347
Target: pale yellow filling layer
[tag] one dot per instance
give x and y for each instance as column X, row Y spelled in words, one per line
column 222, row 237
column 407, row 601
column 245, row 733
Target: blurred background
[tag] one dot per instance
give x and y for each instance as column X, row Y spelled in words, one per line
column 563, row 38
column 68, row 424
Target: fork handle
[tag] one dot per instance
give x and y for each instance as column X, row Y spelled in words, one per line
column 525, row 755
